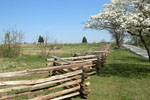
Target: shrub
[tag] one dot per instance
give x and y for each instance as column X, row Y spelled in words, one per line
column 12, row 44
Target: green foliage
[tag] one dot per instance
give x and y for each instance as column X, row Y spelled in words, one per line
column 41, row 39
column 84, row 40
column 12, row 51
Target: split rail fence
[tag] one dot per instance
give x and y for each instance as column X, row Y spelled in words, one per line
column 68, row 77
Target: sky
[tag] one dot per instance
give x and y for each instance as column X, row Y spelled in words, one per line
column 61, row 20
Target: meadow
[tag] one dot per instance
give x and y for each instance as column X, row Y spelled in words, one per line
column 126, row 76
column 31, row 56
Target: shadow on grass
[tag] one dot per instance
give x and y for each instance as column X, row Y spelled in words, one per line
column 135, row 58
column 126, row 70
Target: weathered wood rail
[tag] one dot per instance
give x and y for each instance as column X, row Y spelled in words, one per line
column 68, row 77
column 98, row 58
column 77, row 79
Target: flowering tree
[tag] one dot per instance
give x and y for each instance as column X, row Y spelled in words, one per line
column 131, row 16
column 109, row 19
column 137, row 21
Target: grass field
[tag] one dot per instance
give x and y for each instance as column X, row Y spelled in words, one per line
column 126, row 76
column 66, row 49
column 31, row 61
column 32, row 57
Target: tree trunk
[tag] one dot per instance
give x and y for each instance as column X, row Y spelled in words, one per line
column 146, row 47
column 137, row 42
column 143, row 41
column 117, row 41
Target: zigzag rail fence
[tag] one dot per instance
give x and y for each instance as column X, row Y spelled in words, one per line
column 97, row 58
column 68, row 76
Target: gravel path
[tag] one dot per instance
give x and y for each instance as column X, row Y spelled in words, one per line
column 136, row 50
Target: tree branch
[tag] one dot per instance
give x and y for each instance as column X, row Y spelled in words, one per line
column 133, row 34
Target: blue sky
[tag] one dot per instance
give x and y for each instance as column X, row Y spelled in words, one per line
column 62, row 20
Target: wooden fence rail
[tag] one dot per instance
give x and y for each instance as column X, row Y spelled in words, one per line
column 68, row 77
column 96, row 57
column 73, row 80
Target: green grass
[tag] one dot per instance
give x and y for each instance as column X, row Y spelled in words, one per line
column 29, row 61
column 126, row 76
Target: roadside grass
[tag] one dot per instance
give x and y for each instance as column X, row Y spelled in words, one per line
column 126, row 76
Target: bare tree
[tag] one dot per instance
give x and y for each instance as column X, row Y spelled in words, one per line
column 47, row 46
column 11, row 43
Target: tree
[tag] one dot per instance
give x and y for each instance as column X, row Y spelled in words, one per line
column 46, row 46
column 135, row 40
column 7, row 40
column 137, row 21
column 41, row 39
column 84, row 40
column 131, row 16
column 109, row 19
column 118, row 37
column 12, row 43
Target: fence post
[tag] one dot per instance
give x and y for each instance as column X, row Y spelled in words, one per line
column 103, row 60
column 54, row 64
column 84, row 91
column 98, row 65
column 51, row 73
